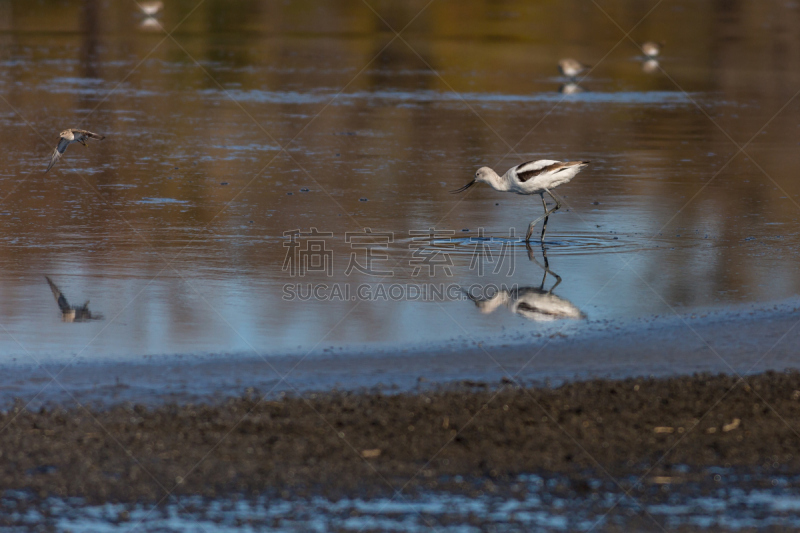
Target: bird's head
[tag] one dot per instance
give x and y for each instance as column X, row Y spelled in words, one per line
column 483, row 174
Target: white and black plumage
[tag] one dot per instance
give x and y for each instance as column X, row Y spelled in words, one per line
column 68, row 137
column 70, row 313
column 571, row 68
column 652, row 49
column 533, row 303
column 533, row 177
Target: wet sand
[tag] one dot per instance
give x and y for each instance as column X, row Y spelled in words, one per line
column 344, row 444
column 366, row 438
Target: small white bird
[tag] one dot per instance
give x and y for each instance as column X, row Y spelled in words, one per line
column 533, row 177
column 652, row 49
column 151, row 8
column 571, row 68
column 68, row 137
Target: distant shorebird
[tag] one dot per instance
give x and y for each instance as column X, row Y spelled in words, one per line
column 652, row 49
column 68, row 137
column 70, row 313
column 571, row 68
column 533, row 177
column 151, row 9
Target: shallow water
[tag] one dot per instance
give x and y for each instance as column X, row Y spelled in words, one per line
column 531, row 501
column 175, row 226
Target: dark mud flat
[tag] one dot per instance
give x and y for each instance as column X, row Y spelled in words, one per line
column 589, row 442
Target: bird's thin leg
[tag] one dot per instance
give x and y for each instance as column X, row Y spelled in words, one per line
column 544, row 279
column 546, row 217
column 533, row 224
column 530, row 253
column 547, row 213
column 557, row 200
column 546, row 268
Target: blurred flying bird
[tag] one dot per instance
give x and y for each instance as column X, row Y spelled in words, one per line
column 533, row 177
column 70, row 313
column 68, row 137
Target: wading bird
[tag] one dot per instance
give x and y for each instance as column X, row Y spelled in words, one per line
column 68, row 137
column 571, row 68
column 533, row 177
column 70, row 313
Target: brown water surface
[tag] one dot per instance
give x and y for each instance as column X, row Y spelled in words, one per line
column 256, row 119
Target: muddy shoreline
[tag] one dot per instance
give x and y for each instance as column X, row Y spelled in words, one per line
column 338, row 444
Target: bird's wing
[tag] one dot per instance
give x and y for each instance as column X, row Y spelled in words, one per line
column 547, row 307
column 60, row 149
column 531, row 169
column 89, row 134
column 63, row 304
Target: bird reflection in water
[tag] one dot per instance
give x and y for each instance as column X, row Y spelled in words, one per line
column 650, row 66
column 651, row 51
column 570, row 88
column 152, row 12
column 71, row 313
column 533, row 303
column 150, row 24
